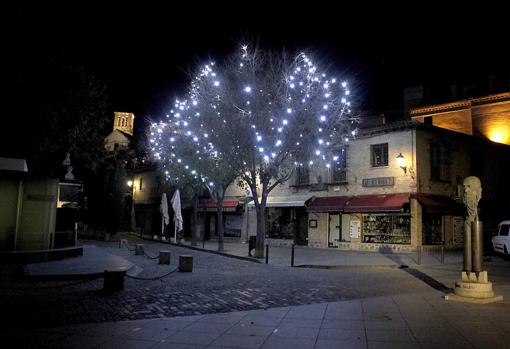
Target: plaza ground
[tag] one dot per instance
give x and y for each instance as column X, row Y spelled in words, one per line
column 230, row 302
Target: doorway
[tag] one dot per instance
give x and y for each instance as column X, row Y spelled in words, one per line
column 301, row 226
column 334, row 229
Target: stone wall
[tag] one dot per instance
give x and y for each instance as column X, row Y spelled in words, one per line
column 318, row 237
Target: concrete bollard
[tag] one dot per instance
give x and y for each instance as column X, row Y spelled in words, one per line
column 122, row 243
column 139, row 250
column 185, row 263
column 114, row 280
column 164, row 257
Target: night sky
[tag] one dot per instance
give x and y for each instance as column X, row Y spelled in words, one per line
column 142, row 53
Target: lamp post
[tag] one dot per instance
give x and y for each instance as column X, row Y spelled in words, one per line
column 130, row 184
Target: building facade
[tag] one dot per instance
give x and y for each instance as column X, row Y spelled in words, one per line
column 397, row 186
column 487, row 117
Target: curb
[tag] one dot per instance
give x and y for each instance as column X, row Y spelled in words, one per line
column 354, row 266
column 249, row 259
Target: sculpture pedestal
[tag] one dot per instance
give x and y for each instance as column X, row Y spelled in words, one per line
column 474, row 289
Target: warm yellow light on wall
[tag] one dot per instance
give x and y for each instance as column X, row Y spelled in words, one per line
column 500, row 135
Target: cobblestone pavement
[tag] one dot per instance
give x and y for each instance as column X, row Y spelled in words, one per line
column 218, row 284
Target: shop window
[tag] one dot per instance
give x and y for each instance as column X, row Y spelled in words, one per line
column 280, row 223
column 379, row 154
column 432, row 230
column 440, row 161
column 386, row 229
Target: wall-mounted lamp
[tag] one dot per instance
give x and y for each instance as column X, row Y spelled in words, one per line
column 129, row 183
column 401, row 162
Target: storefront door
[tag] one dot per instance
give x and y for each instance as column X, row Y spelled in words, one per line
column 334, row 230
column 302, row 227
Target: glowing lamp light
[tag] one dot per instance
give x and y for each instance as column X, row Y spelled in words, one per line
column 401, row 162
column 129, row 183
column 500, row 135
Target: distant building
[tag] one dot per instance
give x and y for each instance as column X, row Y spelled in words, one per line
column 487, row 116
column 122, row 133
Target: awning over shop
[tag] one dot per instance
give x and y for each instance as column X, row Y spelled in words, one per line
column 328, row 204
column 376, row 203
column 439, row 204
column 210, row 205
column 281, row 201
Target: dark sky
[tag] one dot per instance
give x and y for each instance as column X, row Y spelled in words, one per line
column 142, row 52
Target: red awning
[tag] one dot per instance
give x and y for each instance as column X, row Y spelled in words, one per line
column 210, row 205
column 328, row 204
column 439, row 204
column 376, row 203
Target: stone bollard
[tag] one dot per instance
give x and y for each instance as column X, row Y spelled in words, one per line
column 122, row 243
column 185, row 263
column 164, row 257
column 139, row 250
column 114, row 280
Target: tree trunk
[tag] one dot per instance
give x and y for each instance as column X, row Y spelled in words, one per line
column 261, row 230
column 219, row 219
column 194, row 225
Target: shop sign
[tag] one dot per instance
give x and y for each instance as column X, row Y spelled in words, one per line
column 378, row 182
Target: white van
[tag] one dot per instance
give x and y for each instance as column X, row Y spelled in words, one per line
column 501, row 238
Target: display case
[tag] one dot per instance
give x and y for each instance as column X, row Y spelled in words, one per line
column 388, row 229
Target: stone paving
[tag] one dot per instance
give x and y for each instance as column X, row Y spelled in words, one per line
column 217, row 285
column 402, row 321
column 281, row 256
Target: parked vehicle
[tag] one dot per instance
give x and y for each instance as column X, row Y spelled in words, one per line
column 501, row 238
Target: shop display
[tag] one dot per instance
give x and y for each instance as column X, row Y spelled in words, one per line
column 388, row 229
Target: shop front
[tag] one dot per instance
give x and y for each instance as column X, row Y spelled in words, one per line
column 286, row 221
column 326, row 215
column 232, row 219
column 396, row 222
column 366, row 222
column 441, row 218
column 385, row 219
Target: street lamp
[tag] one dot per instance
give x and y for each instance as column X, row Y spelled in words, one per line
column 401, row 162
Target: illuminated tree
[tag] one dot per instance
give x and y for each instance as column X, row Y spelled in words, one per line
column 210, row 171
column 262, row 113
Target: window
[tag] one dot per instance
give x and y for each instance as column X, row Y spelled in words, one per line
column 141, row 183
column 302, row 176
column 379, row 155
column 440, row 161
column 339, row 168
column 386, row 229
column 503, row 231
